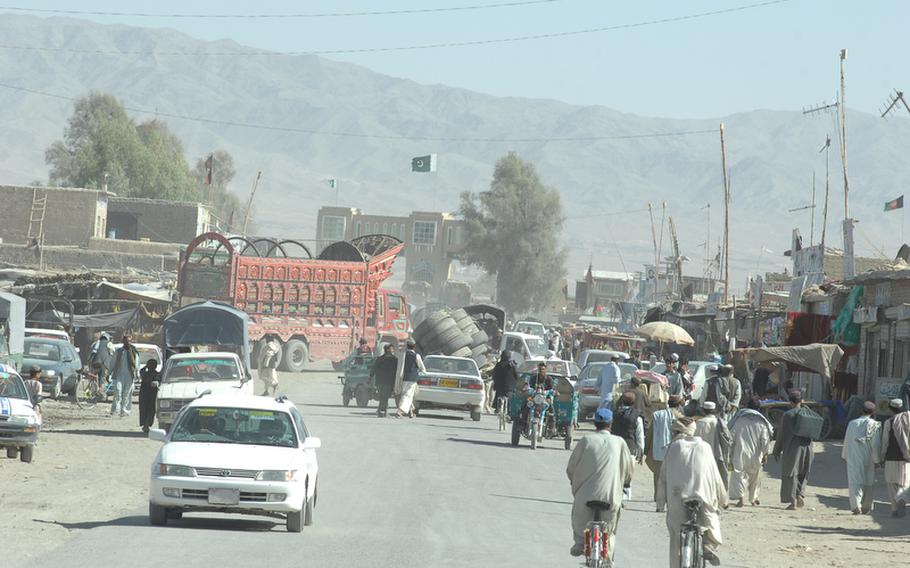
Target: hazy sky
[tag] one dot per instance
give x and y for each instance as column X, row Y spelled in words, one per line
column 783, row 56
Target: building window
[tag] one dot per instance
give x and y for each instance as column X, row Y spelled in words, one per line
column 357, row 234
column 333, row 228
column 424, row 233
column 458, row 235
column 385, row 228
column 423, row 271
column 450, row 236
column 402, row 232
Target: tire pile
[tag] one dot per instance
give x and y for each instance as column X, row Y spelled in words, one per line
column 453, row 333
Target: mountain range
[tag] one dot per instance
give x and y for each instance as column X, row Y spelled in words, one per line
column 320, row 118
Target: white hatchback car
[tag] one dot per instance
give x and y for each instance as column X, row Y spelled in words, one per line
column 236, row 454
column 452, row 383
column 20, row 420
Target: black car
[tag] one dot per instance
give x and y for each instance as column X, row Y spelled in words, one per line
column 59, row 362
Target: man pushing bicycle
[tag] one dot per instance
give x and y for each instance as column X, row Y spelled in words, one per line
column 599, row 468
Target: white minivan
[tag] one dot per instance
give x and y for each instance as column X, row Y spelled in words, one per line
column 523, row 346
column 188, row 375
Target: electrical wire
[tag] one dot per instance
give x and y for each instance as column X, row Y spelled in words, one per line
column 514, row 4
column 444, row 45
column 290, row 129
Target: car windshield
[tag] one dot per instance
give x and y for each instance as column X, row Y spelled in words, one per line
column 537, row 346
column 202, row 369
column 592, row 371
column 531, row 328
column 450, row 366
column 235, row 426
column 595, row 357
column 42, row 350
column 11, row 386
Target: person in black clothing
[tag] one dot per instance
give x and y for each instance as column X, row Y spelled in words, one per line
column 761, row 379
column 149, row 378
column 541, row 380
column 504, row 376
column 384, row 373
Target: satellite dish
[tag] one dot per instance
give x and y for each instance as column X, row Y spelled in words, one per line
column 903, row 253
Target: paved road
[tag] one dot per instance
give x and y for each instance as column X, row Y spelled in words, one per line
column 439, row 490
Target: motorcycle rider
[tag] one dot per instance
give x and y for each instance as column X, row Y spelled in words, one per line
column 599, row 468
column 541, row 381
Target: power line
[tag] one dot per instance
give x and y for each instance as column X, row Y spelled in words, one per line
column 290, row 129
column 473, row 7
column 444, row 45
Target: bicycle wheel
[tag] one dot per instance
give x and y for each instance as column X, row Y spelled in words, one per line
column 596, row 560
column 87, row 393
column 687, row 548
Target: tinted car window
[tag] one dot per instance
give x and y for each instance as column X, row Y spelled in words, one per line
column 453, row 366
column 235, row 425
column 42, row 350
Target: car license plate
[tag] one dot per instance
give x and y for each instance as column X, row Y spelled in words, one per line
column 224, row 496
column 449, row 383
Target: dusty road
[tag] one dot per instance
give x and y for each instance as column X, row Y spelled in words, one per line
column 439, row 490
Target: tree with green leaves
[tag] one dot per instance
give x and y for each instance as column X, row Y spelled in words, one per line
column 512, row 231
column 102, row 145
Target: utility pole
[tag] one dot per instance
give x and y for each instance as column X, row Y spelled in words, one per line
column 893, row 99
column 827, row 150
column 249, row 203
column 656, row 254
column 842, row 107
column 723, row 160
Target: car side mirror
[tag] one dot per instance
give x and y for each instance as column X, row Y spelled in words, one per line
column 311, row 443
column 157, row 435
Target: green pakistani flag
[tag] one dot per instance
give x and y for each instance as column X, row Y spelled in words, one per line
column 424, row 164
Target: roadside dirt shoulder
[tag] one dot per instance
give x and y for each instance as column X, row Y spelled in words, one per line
column 89, row 468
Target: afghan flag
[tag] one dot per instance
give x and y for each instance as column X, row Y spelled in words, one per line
column 895, row 204
column 423, row 164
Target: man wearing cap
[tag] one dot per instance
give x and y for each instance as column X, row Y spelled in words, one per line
column 895, row 453
column 751, row 433
column 607, row 380
column 659, row 437
column 413, row 366
column 124, row 372
column 690, row 473
column 862, row 448
column 599, row 468
column 734, row 390
column 797, row 456
column 714, row 431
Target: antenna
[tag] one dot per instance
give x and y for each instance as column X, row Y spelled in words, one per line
column 893, row 99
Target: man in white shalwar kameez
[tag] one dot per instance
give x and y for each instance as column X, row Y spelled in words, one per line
column 713, row 430
column 751, row 433
column 862, row 447
column 690, row 473
column 599, row 468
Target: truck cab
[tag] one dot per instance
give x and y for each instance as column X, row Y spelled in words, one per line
column 391, row 316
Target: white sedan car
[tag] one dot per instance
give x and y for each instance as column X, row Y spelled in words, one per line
column 236, row 454
column 20, row 420
column 452, row 383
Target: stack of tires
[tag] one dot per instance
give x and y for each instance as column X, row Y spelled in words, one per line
column 453, row 333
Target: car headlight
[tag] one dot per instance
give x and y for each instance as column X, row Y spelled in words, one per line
column 50, row 373
column 176, row 470
column 23, row 419
column 164, row 404
column 277, row 475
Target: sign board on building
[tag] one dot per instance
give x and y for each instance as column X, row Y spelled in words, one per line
column 886, row 388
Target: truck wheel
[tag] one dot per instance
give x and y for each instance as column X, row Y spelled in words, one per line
column 362, row 396
column 26, row 454
column 434, row 336
column 12, row 452
column 295, row 356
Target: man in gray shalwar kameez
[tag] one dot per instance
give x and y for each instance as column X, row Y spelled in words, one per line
column 797, row 455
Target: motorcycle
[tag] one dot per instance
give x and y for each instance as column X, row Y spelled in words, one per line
column 529, row 410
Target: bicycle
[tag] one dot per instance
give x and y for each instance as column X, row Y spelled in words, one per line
column 597, row 538
column 89, row 391
column 502, row 410
column 691, row 544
